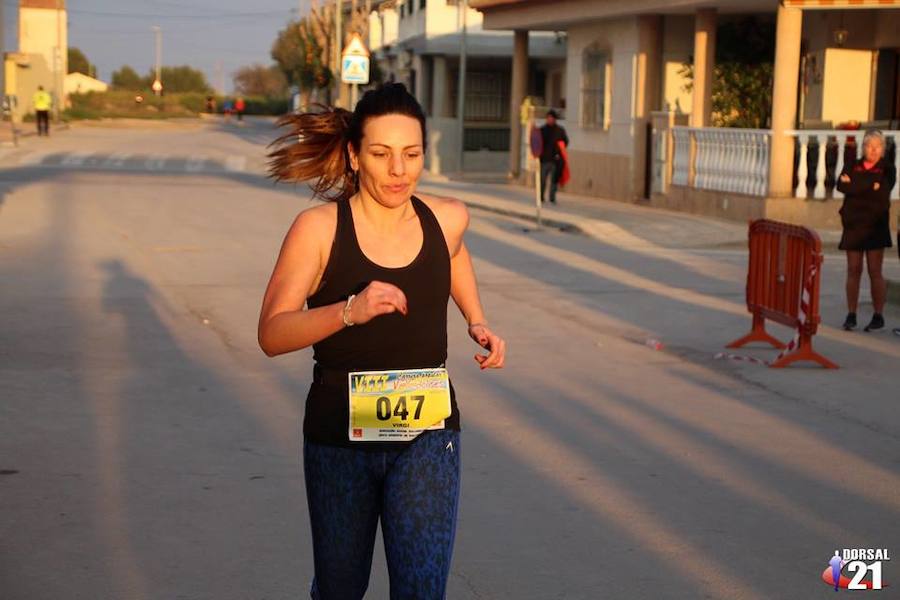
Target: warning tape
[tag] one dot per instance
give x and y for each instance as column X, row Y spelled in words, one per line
column 805, row 302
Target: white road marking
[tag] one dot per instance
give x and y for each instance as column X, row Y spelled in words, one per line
column 116, row 160
column 76, row 159
column 195, row 163
column 156, row 162
column 235, row 163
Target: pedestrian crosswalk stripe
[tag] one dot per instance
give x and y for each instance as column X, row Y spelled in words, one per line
column 117, row 160
column 75, row 160
column 195, row 163
column 236, row 163
column 156, row 162
column 127, row 161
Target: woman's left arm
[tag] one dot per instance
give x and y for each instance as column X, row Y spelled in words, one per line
column 464, row 287
column 464, row 291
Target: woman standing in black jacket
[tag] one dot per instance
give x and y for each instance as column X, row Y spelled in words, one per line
column 867, row 185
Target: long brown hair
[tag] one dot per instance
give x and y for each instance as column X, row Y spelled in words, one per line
column 315, row 147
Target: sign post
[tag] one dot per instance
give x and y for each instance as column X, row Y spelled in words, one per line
column 536, row 145
column 355, row 66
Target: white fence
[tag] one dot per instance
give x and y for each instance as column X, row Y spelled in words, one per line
column 737, row 160
column 721, row 159
column 822, row 155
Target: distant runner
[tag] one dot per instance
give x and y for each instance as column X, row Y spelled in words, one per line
column 42, row 104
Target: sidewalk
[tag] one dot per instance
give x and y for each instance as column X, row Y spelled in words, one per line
column 605, row 220
column 623, row 224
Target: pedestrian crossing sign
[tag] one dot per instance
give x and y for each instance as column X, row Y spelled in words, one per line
column 355, row 69
column 355, row 62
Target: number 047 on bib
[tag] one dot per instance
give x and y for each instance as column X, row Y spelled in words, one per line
column 396, row 406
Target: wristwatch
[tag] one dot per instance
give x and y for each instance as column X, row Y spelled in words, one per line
column 345, row 315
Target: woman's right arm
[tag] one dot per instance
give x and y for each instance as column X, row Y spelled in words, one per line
column 284, row 324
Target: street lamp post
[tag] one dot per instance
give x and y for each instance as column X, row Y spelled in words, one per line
column 463, row 7
column 157, row 87
column 338, row 50
column 58, row 63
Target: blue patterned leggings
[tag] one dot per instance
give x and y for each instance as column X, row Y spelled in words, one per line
column 415, row 493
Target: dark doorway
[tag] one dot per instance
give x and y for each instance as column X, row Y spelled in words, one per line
column 887, row 86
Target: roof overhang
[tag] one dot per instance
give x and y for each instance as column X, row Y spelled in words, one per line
column 556, row 15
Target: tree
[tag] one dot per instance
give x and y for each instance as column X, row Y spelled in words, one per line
column 257, row 80
column 742, row 78
column 78, row 62
column 299, row 56
column 179, row 79
column 127, row 78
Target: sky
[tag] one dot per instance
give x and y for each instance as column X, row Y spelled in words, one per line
column 199, row 33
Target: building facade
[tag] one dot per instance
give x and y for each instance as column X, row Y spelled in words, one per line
column 418, row 43
column 42, row 57
column 639, row 132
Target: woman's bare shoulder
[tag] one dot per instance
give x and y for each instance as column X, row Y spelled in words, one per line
column 451, row 212
column 313, row 227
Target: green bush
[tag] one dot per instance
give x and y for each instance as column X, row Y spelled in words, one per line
column 259, row 105
column 121, row 104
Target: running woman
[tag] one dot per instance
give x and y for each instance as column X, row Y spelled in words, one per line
column 375, row 267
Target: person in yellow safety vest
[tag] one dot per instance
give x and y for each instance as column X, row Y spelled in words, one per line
column 42, row 104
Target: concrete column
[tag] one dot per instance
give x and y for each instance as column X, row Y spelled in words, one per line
column 439, row 86
column 784, row 101
column 517, row 95
column 648, row 75
column 704, row 61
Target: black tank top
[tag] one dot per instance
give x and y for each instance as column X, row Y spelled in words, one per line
column 387, row 342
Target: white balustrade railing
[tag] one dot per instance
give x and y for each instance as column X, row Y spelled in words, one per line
column 681, row 155
column 723, row 159
column 821, row 159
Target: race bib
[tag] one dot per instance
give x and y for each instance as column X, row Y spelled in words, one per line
column 396, row 406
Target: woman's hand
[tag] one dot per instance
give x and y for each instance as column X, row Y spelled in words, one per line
column 378, row 298
column 490, row 341
column 845, row 178
column 877, row 186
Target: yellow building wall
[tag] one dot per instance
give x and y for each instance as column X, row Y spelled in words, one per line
column 24, row 73
column 847, row 85
column 41, row 31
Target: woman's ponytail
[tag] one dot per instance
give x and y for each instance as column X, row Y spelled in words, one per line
column 315, row 150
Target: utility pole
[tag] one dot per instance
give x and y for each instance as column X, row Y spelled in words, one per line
column 58, row 63
column 463, row 7
column 338, row 49
column 157, row 88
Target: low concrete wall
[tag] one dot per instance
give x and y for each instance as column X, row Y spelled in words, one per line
column 818, row 214
column 734, row 207
column 600, row 175
column 442, row 156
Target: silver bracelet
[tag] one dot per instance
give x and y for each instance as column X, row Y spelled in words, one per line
column 345, row 315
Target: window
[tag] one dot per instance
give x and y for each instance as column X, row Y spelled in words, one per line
column 422, row 4
column 409, row 7
column 402, row 10
column 596, row 80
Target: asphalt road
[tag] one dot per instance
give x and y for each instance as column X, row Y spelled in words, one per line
column 150, row 451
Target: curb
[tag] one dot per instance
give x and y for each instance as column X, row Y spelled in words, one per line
column 893, row 292
column 566, row 226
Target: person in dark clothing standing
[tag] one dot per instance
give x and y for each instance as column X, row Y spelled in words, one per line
column 551, row 135
column 865, row 213
column 365, row 280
